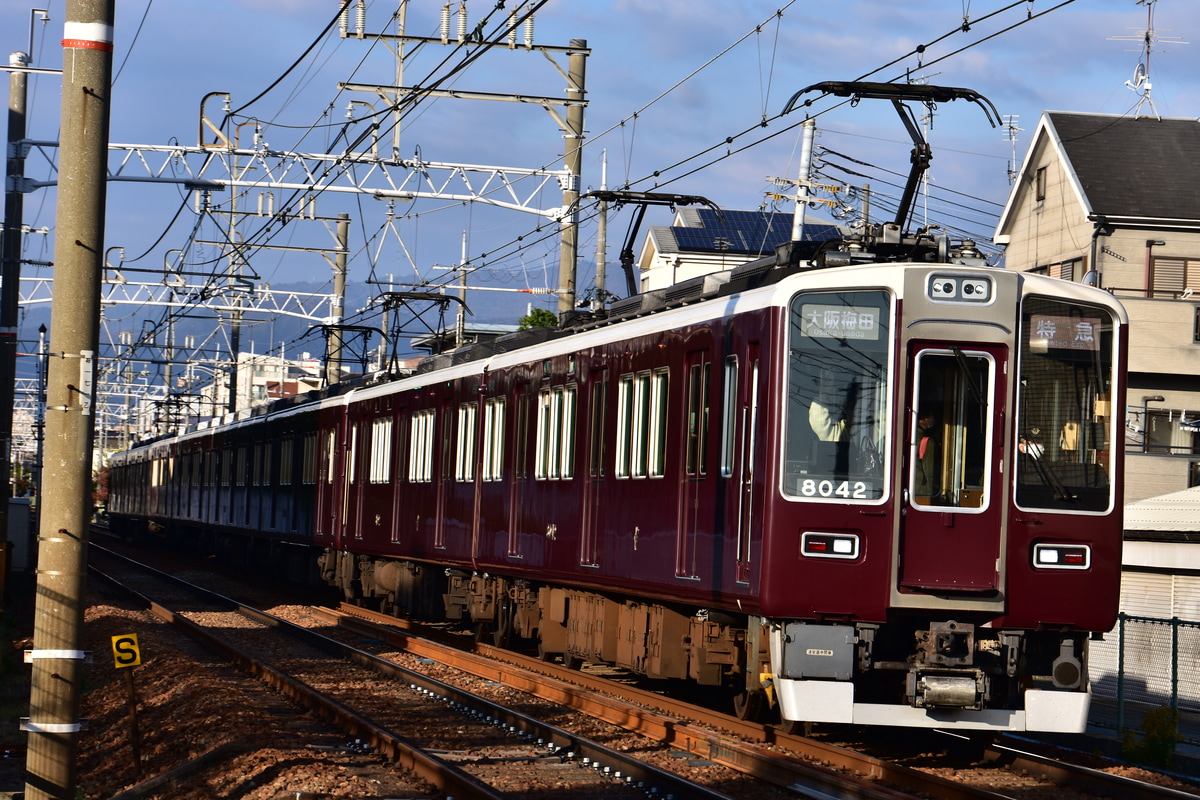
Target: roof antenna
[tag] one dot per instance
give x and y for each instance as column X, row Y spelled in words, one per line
column 1141, row 75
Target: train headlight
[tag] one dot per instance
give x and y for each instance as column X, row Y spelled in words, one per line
column 1062, row 556
column 829, row 545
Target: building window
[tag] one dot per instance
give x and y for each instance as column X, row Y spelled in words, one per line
column 1039, row 184
column 1174, row 277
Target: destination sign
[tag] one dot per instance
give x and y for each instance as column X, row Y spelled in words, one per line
column 839, row 322
column 1049, row 331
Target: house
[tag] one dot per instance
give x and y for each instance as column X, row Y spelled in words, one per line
column 1113, row 201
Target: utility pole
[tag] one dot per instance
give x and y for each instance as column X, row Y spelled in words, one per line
column 573, row 161
column 10, row 278
column 602, row 238
column 66, row 505
column 334, row 344
column 809, row 130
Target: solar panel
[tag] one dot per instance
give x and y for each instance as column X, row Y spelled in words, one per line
column 744, row 232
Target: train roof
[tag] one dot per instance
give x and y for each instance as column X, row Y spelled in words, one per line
column 751, row 285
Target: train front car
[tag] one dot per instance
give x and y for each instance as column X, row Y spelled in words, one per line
column 947, row 528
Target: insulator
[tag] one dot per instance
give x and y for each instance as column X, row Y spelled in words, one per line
column 529, row 32
column 446, row 23
column 360, row 21
column 462, row 23
column 344, row 20
column 512, row 30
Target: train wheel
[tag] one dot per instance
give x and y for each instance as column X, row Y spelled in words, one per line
column 483, row 632
column 749, row 705
column 794, row 727
column 503, row 635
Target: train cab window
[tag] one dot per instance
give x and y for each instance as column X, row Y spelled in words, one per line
column 837, row 396
column 1064, row 406
column 951, row 431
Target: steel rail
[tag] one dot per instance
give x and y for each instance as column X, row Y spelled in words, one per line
column 404, row 751
column 632, row 709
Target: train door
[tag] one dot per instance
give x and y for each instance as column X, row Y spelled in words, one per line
column 694, row 469
column 520, row 469
column 747, row 423
column 593, row 505
column 445, row 472
column 329, row 492
column 951, row 536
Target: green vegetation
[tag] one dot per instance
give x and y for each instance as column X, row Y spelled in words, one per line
column 1155, row 745
column 538, row 318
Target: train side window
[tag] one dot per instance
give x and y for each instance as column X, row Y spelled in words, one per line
column 624, row 425
column 352, row 456
column 330, row 453
column 493, row 439
column 464, row 467
column 729, row 416
column 657, row 434
column 555, row 456
column 259, row 464
column 308, row 468
column 286, row 449
column 381, row 450
column 243, row 471
column 420, row 453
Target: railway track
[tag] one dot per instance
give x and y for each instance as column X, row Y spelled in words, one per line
column 487, row 750
column 704, row 736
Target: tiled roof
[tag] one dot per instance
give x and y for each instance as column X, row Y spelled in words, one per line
column 1134, row 166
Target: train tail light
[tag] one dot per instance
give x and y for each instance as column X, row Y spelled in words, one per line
column 1062, row 556
column 829, row 545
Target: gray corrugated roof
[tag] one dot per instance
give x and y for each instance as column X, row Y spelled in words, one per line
column 1177, row 511
column 1134, row 166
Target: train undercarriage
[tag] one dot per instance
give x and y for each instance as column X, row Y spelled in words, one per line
column 912, row 671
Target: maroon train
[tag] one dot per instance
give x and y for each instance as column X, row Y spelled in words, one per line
column 878, row 493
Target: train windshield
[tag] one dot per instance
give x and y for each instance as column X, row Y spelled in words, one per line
column 836, row 415
column 1064, row 406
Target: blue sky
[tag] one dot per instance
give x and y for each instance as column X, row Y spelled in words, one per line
column 667, row 81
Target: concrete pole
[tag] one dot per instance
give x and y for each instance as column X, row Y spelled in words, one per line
column 334, row 343
column 573, row 160
column 50, row 767
column 806, row 150
column 10, row 277
column 602, row 239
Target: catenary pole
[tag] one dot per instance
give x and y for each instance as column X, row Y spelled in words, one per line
column 66, row 503
column 10, row 278
column 573, row 160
